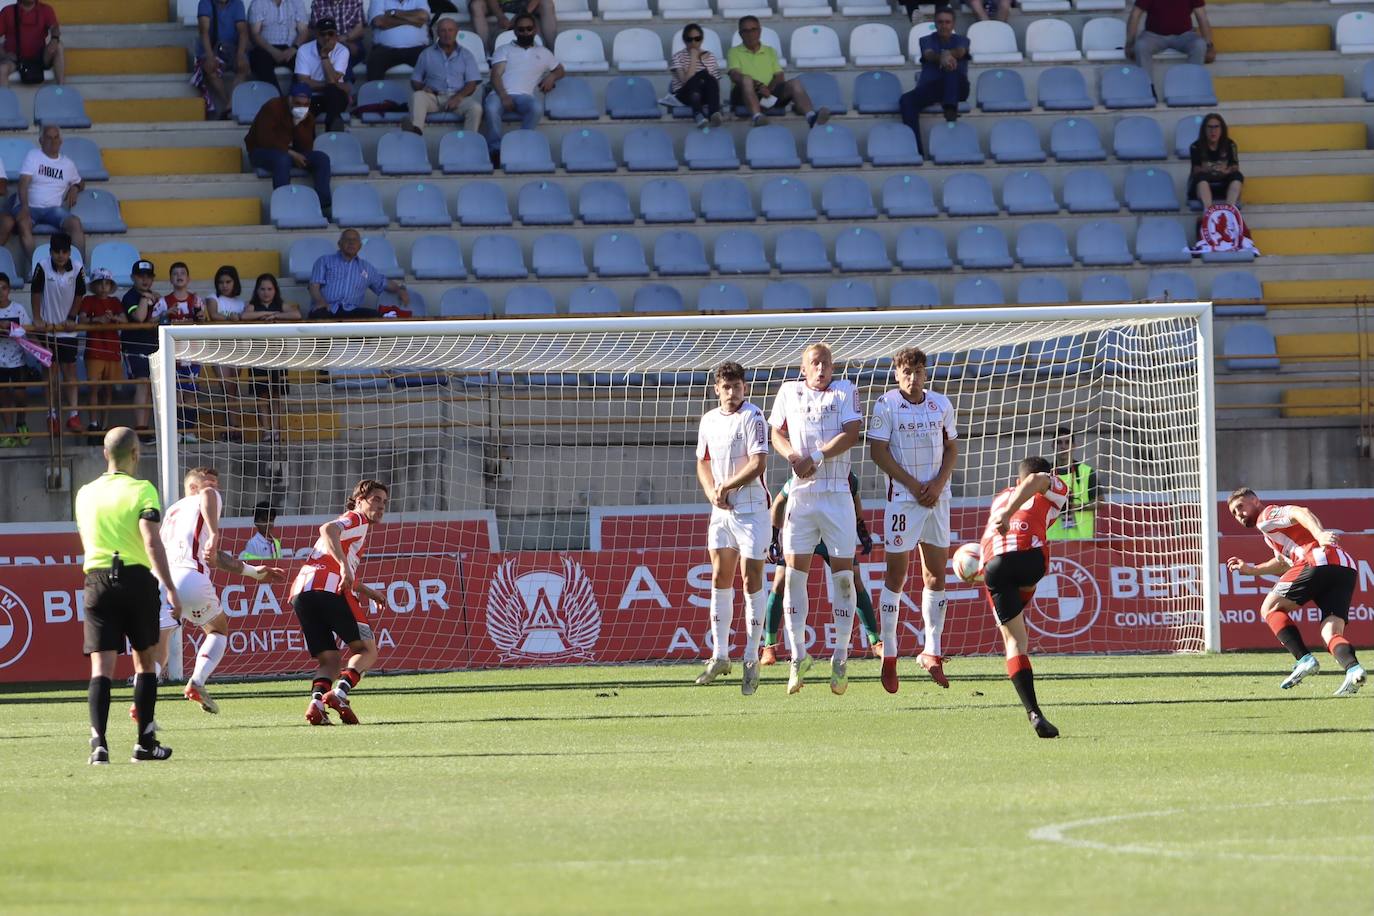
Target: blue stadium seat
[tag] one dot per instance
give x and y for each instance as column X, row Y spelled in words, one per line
column 544, row 203
column 1160, row 240
column 977, row 291
column 1041, row 291
column 726, row 200
column 593, row 300
column 877, row 92
column 1106, row 288
column 572, row 100
column 1014, row 140
column 786, row 296
column 1002, row 90
column 99, row 210
column 587, row 150
column 649, row 149
column 968, row 194
column 1188, row 85
column 402, row 153
column 1138, row 138
column 464, row 302
column 1042, row 244
column 90, row 165
column 1250, row 348
column 658, row 297
column 436, row 257
column 824, row 90
column 464, row 152
column 851, row 296
column 1089, row 191
column 482, row 203
column 41, row 252
column 632, row 97
column 981, row 247
column 740, row 251
column 378, row 252
column 665, row 200
column 248, row 97
column 1076, row 140
column 1150, row 190
column 722, row 299
column 300, row 258
column 800, row 251
column 680, row 254
column 12, row 153
column 619, row 254
column 786, row 198
column 422, row 204
column 922, row 248
column 1185, row 133
column 1057, row 357
column 1367, row 81
column 296, row 207
column 892, row 144
column 382, row 92
column 1171, row 286
column 709, row 149
column 358, row 205
column 346, row 155
column 913, row 293
column 557, row 254
column 832, row 146
column 11, row 118
column 497, row 257
column 991, row 361
column 1063, row 89
column 955, row 143
column 1028, row 192
column 847, row 197
column 529, row 300
column 8, row 268
column 1126, row 86
column 524, row 152
column 1102, row 244
column 1241, row 285
column 604, row 203
column 860, row 250
column 908, row 196
column 771, row 147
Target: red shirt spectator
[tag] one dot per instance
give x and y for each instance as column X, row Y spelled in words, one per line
column 33, row 23
column 1168, row 17
column 103, row 345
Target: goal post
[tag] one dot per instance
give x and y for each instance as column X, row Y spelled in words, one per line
column 544, row 501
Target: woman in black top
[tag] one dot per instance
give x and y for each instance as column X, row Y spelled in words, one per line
column 269, row 385
column 1216, row 164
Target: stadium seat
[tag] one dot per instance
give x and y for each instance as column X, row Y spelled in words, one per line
column 1185, row 135
column 1126, row 86
column 1367, row 81
column 378, row 252
column 983, row 362
column 422, row 204
column 8, row 268
column 1189, row 85
column 464, row 152
column 800, row 251
column 1250, row 348
column 60, row 105
column 1150, row 191
column 710, row 41
column 712, row 148
column 296, row 207
column 581, row 51
column 557, row 254
column 1041, row 291
column 572, row 99
column 685, row 9
column 1102, row 244
column 1240, row 285
column 497, row 257
column 248, row 97
column 1056, row 357
column 1002, row 90
column 1076, row 140
column 593, row 300
column 851, row 296
column 1042, row 244
column 587, row 150
column 922, row 248
column 1105, row 288
column 665, row 200
column 1355, row 33
column 992, row 42
column 680, row 254
column 482, row 203
column 649, row 149
column 786, row 199
column 786, row 296
column 1050, row 40
column 636, row 51
column 740, row 251
column 11, row 118
column 913, row 293
column 892, row 144
column 632, row 97
column 1089, row 191
column 805, row 9
column 1160, row 240
column 816, row 47
column 1063, row 89
column 394, row 94
column 968, row 194
column 722, row 299
column 300, row 258
column 604, row 203
column 473, row 44
column 832, row 146
column 464, row 302
column 1138, row 138
column 525, row 152
column 90, row 165
column 907, row 196
column 402, row 153
column 12, row 153
column 99, row 210
column 436, row 257
column 954, row 143
column 619, row 254
column 847, row 197
column 544, row 203
column 875, row 44
column 358, row 205
column 623, row 10
column 972, row 291
column 981, row 247
column 824, row 91
column 657, row 297
column 1028, row 192
column 770, row 147
column 1104, row 38
column 726, row 200
column 1171, row 286
column 529, row 300
column 861, row 250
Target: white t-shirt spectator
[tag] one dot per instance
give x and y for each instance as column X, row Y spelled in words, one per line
column 11, row 356
column 279, row 19
column 525, row 67
column 308, row 60
column 50, row 178
column 401, row 36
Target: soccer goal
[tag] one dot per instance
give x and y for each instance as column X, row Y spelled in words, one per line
column 544, row 505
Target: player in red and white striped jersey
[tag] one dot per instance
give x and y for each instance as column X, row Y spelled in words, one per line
column 1313, row 567
column 1015, row 556
column 325, row 598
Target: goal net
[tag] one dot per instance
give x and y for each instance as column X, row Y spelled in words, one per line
column 544, row 504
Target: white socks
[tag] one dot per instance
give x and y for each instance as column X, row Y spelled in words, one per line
column 933, row 612
column 844, row 614
column 755, row 610
column 794, row 610
column 889, row 609
column 722, row 608
column 211, row 651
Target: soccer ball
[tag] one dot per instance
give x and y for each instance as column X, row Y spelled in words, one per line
column 968, row 559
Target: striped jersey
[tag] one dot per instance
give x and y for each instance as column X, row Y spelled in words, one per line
column 321, row 571
column 1027, row 527
column 184, row 531
column 811, row 418
column 916, row 435
column 1294, row 543
column 728, row 440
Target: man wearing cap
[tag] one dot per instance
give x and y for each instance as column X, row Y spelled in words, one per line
column 48, row 186
column 339, row 282
column 322, row 65
column 139, row 343
column 446, row 80
column 282, row 136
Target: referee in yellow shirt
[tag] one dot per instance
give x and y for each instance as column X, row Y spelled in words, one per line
column 118, row 516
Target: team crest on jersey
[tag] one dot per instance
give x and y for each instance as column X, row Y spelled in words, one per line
column 1067, row 601
column 543, row 614
column 16, row 628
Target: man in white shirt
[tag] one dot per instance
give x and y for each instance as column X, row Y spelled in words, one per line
column 48, row 186
column 322, row 65
column 399, row 34
column 276, row 29
column 518, row 70
column 14, row 317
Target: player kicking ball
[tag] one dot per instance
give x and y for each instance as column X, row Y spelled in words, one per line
column 816, row 421
column 1312, row 567
column 913, row 438
column 732, row 451
column 325, row 598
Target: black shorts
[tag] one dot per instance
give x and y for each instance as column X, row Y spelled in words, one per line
column 269, row 383
column 783, row 94
column 13, row 374
column 1010, row 579
column 136, row 365
column 324, row 615
column 1330, row 588
column 126, row 609
column 63, row 348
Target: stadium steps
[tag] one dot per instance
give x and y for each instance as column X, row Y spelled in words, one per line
column 160, row 162
column 123, row 111
column 311, row 427
column 203, row 263
column 120, row 62
column 195, row 212
column 1271, row 39
column 1324, row 347
column 1301, row 86
column 105, row 12
column 1325, row 241
column 1297, row 290
column 1309, row 189
column 1326, row 402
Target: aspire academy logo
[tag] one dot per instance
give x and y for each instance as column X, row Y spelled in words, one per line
column 16, row 628
column 544, row 615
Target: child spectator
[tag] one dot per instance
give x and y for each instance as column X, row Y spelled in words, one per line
column 13, row 374
column 103, row 367
column 227, row 306
column 139, row 303
column 181, row 306
column 55, row 296
column 269, row 385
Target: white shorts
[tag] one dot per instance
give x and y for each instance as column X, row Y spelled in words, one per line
column 907, row 523
column 747, row 532
column 199, row 601
column 820, row 515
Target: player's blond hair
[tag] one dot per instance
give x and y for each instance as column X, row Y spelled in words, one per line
column 810, row 348
column 199, row 475
column 365, row 488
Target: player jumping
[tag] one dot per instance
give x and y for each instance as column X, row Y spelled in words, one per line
column 1015, row 557
column 732, row 451
column 325, row 599
column 816, row 421
column 1312, row 567
column 912, row 437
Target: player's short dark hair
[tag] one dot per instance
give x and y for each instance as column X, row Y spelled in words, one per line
column 909, row 358
column 5, row 278
column 175, row 264
column 743, row 19
column 1238, row 493
column 729, row 371
column 522, row 16
column 365, row 488
column 202, row 472
column 1034, row 464
column 943, row 9
column 264, row 513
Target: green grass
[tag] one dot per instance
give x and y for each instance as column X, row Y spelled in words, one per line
column 626, row 790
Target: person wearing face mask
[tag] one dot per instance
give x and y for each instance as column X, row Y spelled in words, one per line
column 283, row 136
column 518, row 70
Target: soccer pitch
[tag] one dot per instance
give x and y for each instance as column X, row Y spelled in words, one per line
column 1186, row 784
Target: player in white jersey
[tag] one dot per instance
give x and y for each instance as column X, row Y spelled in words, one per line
column 816, row 421
column 732, row 451
column 913, row 438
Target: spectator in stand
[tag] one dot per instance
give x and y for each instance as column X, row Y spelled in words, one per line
column 446, row 79
column 944, row 75
column 400, row 31
column 282, row 136
column 269, row 385
column 339, row 282
column 984, row 10
column 517, row 70
column 33, row 43
column 322, row 65
column 756, row 77
column 505, row 12
column 696, row 75
column 180, row 306
column 227, row 305
column 277, row 28
column 1216, row 164
column 138, row 343
column 221, row 51
column 1169, row 26
column 13, row 374
column 55, row 296
column 7, row 222
column 103, row 368
column 347, row 17
column 48, row 186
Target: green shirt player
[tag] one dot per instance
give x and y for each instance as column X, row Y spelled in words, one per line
column 863, row 602
column 118, row 516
